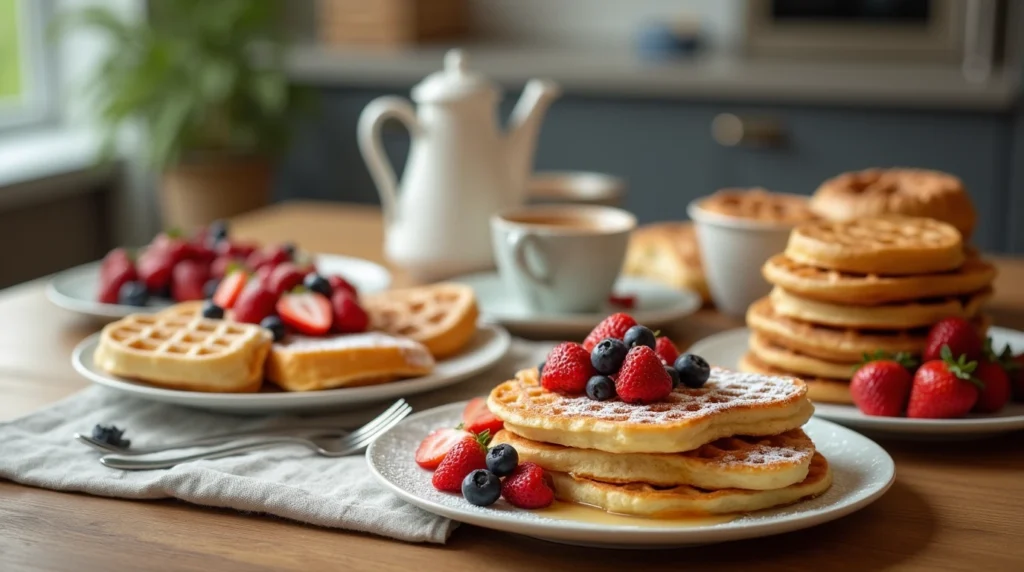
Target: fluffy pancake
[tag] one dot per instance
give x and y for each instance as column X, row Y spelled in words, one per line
column 820, row 390
column 731, row 403
column 786, row 359
column 646, row 500
column 756, row 463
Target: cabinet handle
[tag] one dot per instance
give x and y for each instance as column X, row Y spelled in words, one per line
column 731, row 130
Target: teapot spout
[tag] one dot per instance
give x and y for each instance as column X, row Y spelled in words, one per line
column 524, row 127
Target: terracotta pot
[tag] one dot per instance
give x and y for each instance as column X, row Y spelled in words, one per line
column 197, row 193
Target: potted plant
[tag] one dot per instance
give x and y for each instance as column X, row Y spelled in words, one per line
column 204, row 81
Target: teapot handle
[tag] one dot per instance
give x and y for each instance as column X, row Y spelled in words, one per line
column 370, row 145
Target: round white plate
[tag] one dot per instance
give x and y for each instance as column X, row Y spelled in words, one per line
column 656, row 305
column 75, row 289
column 487, row 347
column 862, row 472
column 726, row 348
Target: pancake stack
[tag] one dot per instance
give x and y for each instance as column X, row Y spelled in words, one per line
column 846, row 290
column 734, row 445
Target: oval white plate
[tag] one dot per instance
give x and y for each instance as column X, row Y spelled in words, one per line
column 487, row 347
column 75, row 289
column 862, row 472
column 656, row 305
column 726, row 348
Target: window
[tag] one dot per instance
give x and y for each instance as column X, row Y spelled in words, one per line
column 25, row 63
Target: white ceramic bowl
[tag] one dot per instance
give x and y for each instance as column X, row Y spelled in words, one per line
column 733, row 250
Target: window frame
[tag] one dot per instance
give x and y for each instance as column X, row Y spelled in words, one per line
column 39, row 57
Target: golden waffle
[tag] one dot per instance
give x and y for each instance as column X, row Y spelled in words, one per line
column 896, row 246
column 731, row 403
column 185, row 352
column 870, row 289
column 755, row 463
column 640, row 499
column 667, row 252
column 909, row 192
column 759, row 204
column 788, row 360
column 440, row 316
column 897, row 316
column 819, row 389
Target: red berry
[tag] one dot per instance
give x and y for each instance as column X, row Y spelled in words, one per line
column 155, row 267
column 666, row 350
column 567, row 369
column 235, row 249
column 643, row 378
column 613, row 326
column 254, row 303
column 477, row 418
column 627, row 301
column 339, row 283
column 996, row 391
column 435, row 446
column 230, row 288
column 188, row 279
column 200, row 253
column 116, row 270
column 349, row 317
column 306, row 312
column 960, row 335
column 528, row 487
column 465, row 457
column 283, row 278
column 173, row 246
column 223, row 265
column 943, row 389
column 881, row 388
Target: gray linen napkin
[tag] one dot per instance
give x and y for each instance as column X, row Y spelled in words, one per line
column 288, row 482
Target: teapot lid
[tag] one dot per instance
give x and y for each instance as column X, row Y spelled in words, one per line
column 453, row 82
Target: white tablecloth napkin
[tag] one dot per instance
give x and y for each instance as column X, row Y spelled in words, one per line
column 289, row 481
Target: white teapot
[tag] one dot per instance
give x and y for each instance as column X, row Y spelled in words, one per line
column 461, row 169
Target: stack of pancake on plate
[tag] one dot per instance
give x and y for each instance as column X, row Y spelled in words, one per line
column 734, row 445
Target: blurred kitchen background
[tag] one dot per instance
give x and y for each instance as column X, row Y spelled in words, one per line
column 221, row 106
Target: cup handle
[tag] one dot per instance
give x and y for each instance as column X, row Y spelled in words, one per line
column 520, row 242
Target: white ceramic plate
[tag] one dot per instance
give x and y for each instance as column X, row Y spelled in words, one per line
column 862, row 472
column 656, row 305
column 487, row 347
column 726, row 348
column 75, row 289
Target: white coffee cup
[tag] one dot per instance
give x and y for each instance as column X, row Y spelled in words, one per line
column 561, row 258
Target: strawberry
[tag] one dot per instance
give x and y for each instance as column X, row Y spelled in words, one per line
column 477, row 418
column 882, row 387
column 254, row 303
column 279, row 255
column 155, row 267
column 666, row 350
column 200, row 253
column 567, row 369
column 306, row 312
column 116, row 270
column 235, row 249
column 223, row 265
column 257, row 259
column 339, row 283
column 996, row 390
column 263, row 275
column 613, row 326
column 171, row 244
column 943, row 389
column 643, row 378
column 349, row 317
column 435, row 446
column 284, row 278
column 230, row 288
column 627, row 301
column 528, row 487
column 959, row 334
column 188, row 279
column 465, row 457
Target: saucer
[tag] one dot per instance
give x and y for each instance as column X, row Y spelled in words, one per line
column 656, row 305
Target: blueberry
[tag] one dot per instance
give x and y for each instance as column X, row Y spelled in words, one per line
column 289, row 247
column 276, row 327
column 693, row 370
column 540, row 368
column 210, row 288
column 502, row 459
column 600, row 388
column 607, row 356
column 639, row 336
column 317, row 283
column 164, row 292
column 481, row 487
column 111, row 436
column 218, row 231
column 212, row 311
column 133, row 294
column 674, row 375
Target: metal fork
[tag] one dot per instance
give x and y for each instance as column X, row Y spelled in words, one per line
column 352, row 443
column 308, row 432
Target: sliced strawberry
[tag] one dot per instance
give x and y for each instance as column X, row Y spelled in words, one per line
column 230, row 288
column 477, row 418
column 306, row 312
column 432, row 450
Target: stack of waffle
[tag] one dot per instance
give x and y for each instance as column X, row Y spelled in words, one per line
column 844, row 290
column 734, row 445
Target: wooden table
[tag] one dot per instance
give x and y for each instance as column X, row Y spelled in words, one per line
column 954, row 506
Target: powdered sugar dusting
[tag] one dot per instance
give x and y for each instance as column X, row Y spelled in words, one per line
column 775, row 451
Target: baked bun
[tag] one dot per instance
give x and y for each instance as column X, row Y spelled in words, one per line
column 667, row 252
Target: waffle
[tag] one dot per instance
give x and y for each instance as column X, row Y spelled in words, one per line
column 729, row 404
column 870, row 289
column 759, row 204
column 819, row 389
column 799, row 364
column 895, row 246
column 756, row 463
column 186, row 352
column 442, row 317
column 909, row 192
column 667, row 253
column 640, row 499
column 898, row 316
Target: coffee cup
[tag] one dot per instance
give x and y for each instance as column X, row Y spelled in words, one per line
column 561, row 258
